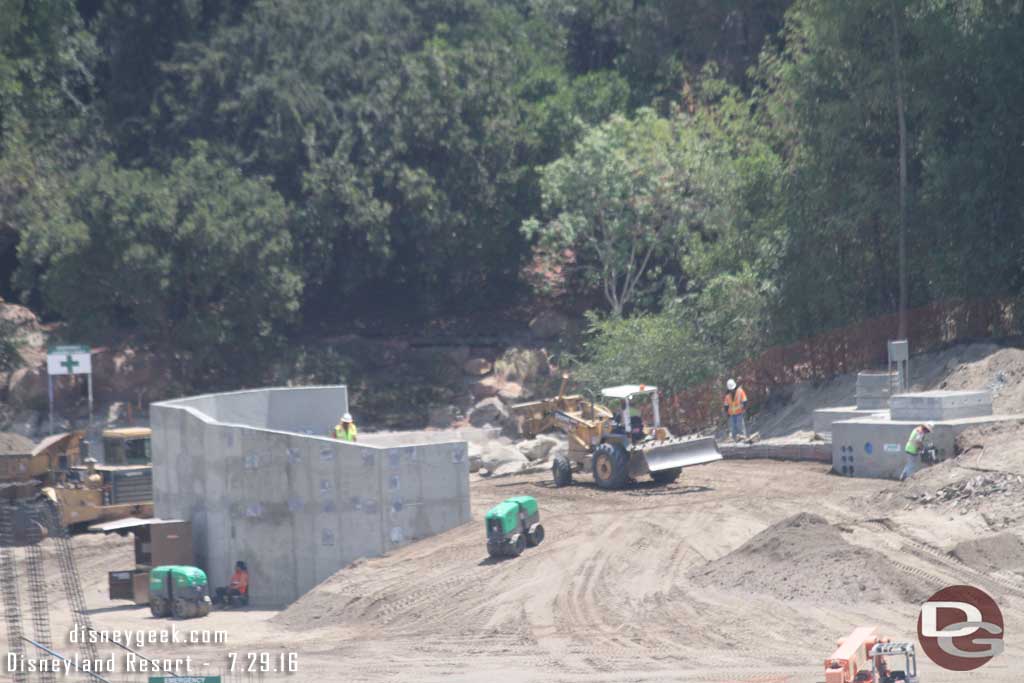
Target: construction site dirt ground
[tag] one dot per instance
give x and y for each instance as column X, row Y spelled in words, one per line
column 741, row 571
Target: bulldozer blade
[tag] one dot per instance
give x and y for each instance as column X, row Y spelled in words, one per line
column 671, row 453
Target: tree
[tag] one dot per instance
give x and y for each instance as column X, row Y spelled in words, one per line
column 198, row 260
column 398, row 130
column 620, row 200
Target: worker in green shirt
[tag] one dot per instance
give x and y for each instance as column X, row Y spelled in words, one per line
column 915, row 447
column 345, row 430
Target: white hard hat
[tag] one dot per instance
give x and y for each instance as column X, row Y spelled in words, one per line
column 731, row 385
column 347, row 417
column 930, row 426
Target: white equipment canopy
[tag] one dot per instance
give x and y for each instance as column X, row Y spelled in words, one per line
column 627, row 390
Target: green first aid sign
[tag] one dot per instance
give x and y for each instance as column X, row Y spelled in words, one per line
column 69, row 360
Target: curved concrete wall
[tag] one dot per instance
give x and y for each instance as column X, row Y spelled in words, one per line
column 259, row 484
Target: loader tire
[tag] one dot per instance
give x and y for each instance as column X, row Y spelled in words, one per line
column 667, row 476
column 611, row 466
column 561, row 471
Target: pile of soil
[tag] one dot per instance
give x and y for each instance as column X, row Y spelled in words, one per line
column 805, row 558
column 976, row 367
column 1003, row 551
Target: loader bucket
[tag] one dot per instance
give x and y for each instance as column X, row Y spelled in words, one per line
column 665, row 455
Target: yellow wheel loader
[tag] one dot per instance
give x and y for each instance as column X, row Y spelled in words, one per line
column 614, row 443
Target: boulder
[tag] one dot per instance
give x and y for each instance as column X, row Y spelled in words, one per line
column 537, row 449
column 522, row 365
column 116, row 413
column 561, row 448
column 549, row 325
column 27, row 387
column 485, row 388
column 499, row 459
column 27, row 331
column 477, row 367
column 510, row 392
column 490, row 411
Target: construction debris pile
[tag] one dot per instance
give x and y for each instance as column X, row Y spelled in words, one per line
column 968, row 493
column 805, row 558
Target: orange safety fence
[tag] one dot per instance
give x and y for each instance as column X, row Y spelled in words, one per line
column 850, row 349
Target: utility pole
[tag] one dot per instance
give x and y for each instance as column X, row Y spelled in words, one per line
column 901, row 114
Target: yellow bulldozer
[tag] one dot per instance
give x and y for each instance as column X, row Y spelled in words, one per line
column 615, row 445
column 58, row 470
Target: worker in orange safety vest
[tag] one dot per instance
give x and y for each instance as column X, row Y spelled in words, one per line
column 735, row 405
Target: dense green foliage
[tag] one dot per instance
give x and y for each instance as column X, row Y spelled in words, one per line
column 711, row 176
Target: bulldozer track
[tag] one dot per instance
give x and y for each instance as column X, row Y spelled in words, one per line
column 931, row 553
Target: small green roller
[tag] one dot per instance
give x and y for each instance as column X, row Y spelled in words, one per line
column 512, row 525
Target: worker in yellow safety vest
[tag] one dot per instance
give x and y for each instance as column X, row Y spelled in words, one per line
column 735, row 405
column 915, row 445
column 345, row 430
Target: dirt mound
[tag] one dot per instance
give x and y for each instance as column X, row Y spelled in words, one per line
column 1003, row 551
column 975, row 367
column 805, row 558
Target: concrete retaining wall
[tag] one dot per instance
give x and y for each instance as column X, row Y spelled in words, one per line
column 813, row 452
column 265, row 488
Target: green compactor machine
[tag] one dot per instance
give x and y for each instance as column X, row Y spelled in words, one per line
column 512, row 525
column 180, row 591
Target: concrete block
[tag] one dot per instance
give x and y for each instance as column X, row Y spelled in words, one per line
column 873, row 390
column 941, row 405
column 824, row 417
column 873, row 447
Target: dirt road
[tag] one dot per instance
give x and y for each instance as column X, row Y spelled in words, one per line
column 715, row 578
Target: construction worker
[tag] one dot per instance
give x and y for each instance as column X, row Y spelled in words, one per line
column 735, row 405
column 345, row 430
column 915, row 448
column 237, row 589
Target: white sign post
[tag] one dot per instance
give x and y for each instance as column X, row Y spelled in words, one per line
column 68, row 360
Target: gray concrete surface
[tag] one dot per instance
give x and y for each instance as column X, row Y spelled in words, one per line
column 823, row 418
column 941, row 405
column 260, row 484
